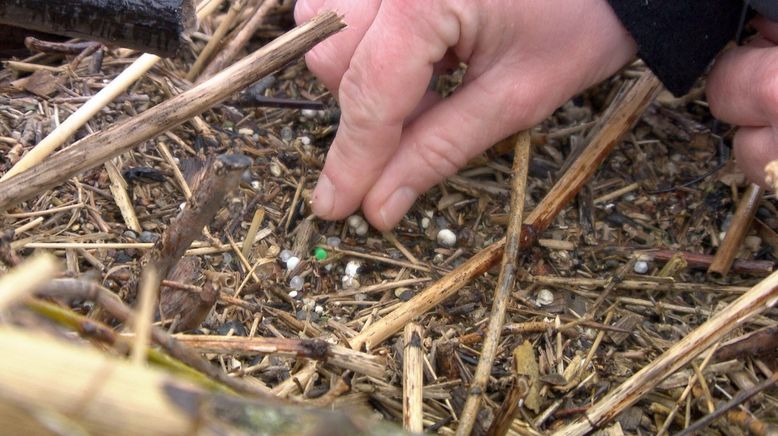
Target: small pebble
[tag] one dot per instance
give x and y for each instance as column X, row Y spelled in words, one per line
column 147, row 236
column 425, row 223
column 255, row 185
column 641, row 267
column 318, row 309
column 333, row 241
column 319, row 253
column 292, row 263
column 286, row 133
column 545, row 297
column 130, row 234
column 284, row 255
column 447, row 238
column 309, row 113
column 352, row 268
column 296, row 283
column 182, row 206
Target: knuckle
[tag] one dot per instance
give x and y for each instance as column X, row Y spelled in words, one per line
column 441, row 156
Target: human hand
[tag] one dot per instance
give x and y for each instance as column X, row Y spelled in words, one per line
column 742, row 89
column 397, row 139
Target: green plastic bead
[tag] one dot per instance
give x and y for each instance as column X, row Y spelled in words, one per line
column 319, row 253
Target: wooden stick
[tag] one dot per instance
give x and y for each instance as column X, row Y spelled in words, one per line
column 738, row 228
column 509, row 408
column 159, row 26
column 231, row 50
column 761, row 297
column 26, row 278
column 88, row 110
column 99, row 147
column 505, row 282
column 341, row 357
column 413, row 378
column 628, row 111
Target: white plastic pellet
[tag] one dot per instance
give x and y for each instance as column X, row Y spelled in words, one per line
column 292, row 263
column 352, row 268
column 641, row 267
column 447, row 238
column 293, row 294
column 362, row 229
column 305, row 140
column 354, row 221
column 425, row 223
column 333, row 241
column 296, row 283
column 284, row 255
column 545, row 297
column 318, row 309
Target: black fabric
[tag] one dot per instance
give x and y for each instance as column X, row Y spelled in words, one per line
column 678, row 39
column 768, row 8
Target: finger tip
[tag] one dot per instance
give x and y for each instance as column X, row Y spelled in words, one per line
column 387, row 214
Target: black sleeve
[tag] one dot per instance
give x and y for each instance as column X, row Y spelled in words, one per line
column 679, row 39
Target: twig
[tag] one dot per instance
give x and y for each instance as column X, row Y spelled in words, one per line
column 215, row 40
column 121, row 197
column 413, row 378
column 221, row 177
column 738, row 228
column 230, row 51
column 505, row 282
column 738, row 399
column 628, row 111
column 759, row 298
column 509, row 408
column 99, row 147
column 341, row 357
column 655, row 284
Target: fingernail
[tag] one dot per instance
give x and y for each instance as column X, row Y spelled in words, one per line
column 396, row 205
column 323, row 197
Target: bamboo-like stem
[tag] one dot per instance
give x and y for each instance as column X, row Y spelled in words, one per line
column 738, row 228
column 413, row 378
column 230, row 51
column 626, row 112
column 505, row 283
column 26, row 278
column 149, row 287
column 41, row 374
column 761, row 297
column 99, row 147
column 215, row 40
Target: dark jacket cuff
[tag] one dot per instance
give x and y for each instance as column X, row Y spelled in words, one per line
column 679, row 39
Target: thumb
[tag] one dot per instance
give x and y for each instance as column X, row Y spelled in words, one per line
column 444, row 138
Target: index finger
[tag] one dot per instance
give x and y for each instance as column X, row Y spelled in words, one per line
column 385, row 81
